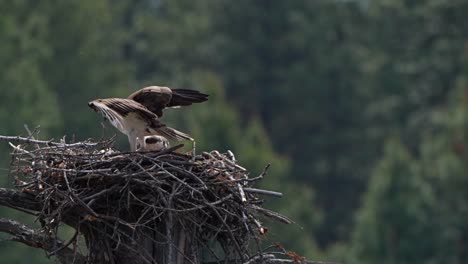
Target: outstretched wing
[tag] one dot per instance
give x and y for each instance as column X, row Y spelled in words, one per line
column 117, row 110
column 108, row 113
column 156, row 98
column 125, row 113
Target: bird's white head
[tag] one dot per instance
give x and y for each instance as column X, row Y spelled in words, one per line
column 154, row 143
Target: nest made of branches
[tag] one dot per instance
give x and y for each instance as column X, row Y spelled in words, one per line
column 116, row 198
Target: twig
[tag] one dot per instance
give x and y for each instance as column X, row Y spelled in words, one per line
column 49, row 142
column 265, row 192
column 272, row 214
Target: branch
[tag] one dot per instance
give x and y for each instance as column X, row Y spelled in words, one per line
column 269, row 258
column 19, row 200
column 272, row 214
column 284, row 261
column 33, row 238
column 46, row 142
column 265, row 192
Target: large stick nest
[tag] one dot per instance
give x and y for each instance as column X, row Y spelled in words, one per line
column 115, row 198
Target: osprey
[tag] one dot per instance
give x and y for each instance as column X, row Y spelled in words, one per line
column 138, row 115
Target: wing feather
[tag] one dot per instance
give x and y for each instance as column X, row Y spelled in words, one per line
column 183, row 97
column 172, row 133
column 116, row 109
column 156, row 98
column 109, row 114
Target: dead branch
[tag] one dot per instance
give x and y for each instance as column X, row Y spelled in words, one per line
column 30, row 140
column 33, row 238
column 265, row 192
column 19, row 200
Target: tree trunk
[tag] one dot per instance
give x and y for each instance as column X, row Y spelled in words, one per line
column 164, row 242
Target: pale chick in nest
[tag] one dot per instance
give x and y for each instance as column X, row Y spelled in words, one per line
column 152, row 143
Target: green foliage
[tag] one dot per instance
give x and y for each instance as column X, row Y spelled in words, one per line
column 21, row 81
column 424, row 197
column 86, row 60
column 292, row 64
column 396, row 212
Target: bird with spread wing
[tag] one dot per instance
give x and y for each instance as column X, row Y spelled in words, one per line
column 138, row 115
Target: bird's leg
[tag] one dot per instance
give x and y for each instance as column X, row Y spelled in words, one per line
column 193, row 148
column 138, row 144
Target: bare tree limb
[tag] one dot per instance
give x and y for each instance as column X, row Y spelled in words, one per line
column 46, row 142
column 271, row 259
column 272, row 214
column 19, row 200
column 33, row 238
column 265, row 192
column 284, row 261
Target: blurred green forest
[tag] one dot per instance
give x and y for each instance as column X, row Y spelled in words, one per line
column 361, row 106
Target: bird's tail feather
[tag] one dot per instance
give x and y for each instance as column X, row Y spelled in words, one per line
column 187, row 97
column 172, row 133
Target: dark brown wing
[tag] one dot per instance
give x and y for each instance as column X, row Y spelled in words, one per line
column 182, row 97
column 156, row 98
